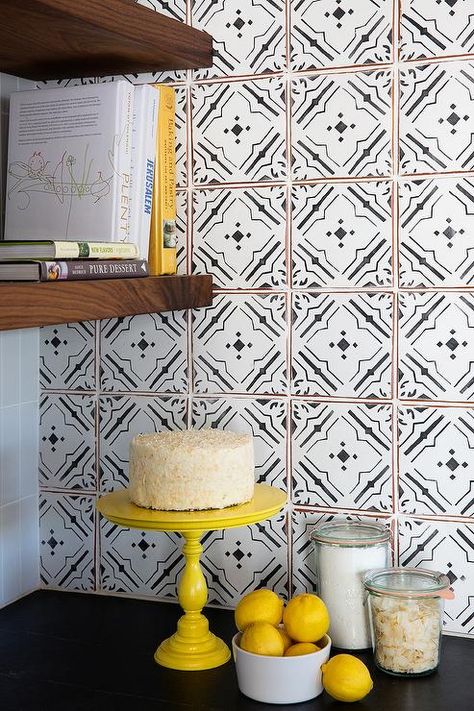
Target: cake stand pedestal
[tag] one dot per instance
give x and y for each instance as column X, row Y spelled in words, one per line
column 192, row 647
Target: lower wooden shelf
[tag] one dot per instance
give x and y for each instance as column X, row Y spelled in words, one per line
column 26, row 305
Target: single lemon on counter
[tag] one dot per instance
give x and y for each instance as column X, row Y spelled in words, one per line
column 301, row 648
column 262, row 638
column 306, row 618
column 261, row 605
column 287, row 641
column 346, row 678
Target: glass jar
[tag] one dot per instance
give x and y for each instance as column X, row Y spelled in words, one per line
column 344, row 551
column 406, row 617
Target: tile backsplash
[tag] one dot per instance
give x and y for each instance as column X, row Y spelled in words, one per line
column 326, row 181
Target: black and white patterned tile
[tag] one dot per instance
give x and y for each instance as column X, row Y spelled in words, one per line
column 436, row 28
column 264, row 419
column 122, row 417
column 436, row 461
column 342, row 455
column 437, row 118
column 436, row 338
column 342, row 344
column 436, row 222
column 240, row 345
column 67, row 356
column 146, row 353
column 303, row 572
column 342, row 235
column 181, row 231
column 67, row 441
column 139, row 562
column 249, row 37
column 332, row 33
column 239, row 560
column 239, row 131
column 67, row 541
column 341, row 125
column 447, row 547
column 239, row 237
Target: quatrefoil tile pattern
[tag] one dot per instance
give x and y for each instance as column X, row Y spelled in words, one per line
column 239, row 237
column 249, row 37
column 342, row 455
column 435, row 349
column 341, row 345
column 342, row 235
column 436, row 460
column 341, row 125
column 332, row 33
column 239, row 131
column 437, row 118
column 325, row 167
column 436, row 28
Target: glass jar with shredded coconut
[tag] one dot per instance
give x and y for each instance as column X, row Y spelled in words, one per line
column 406, row 617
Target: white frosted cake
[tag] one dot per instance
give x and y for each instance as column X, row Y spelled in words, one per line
column 191, row 470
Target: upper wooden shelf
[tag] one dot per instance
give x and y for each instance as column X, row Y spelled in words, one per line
column 55, row 39
column 26, row 305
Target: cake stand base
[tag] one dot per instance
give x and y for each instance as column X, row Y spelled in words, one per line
column 192, row 647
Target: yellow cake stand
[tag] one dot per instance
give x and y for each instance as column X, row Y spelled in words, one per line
column 192, row 647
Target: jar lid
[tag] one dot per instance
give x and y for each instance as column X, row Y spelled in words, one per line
column 350, row 533
column 406, row 582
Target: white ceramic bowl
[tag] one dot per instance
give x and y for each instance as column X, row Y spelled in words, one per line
column 280, row 680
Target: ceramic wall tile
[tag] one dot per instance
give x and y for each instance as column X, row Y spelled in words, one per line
column 67, row 356
column 171, row 8
column 342, row 455
column 29, row 360
column 436, row 338
column 239, row 237
column 139, row 562
column 342, row 235
column 239, row 560
column 436, row 461
column 28, row 449
column 265, row 419
column 446, row 547
column 303, row 578
column 67, row 441
column 437, row 118
column 10, row 374
column 122, row 417
column 341, row 125
column 249, row 37
column 181, row 231
column 430, row 28
column 341, row 344
column 10, row 454
column 67, row 541
column 436, row 221
column 239, row 131
column 145, row 353
column 10, row 551
column 240, row 345
column 338, row 33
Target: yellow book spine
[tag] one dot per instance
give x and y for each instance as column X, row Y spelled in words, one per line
column 162, row 248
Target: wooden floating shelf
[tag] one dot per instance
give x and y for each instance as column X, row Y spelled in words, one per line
column 26, row 305
column 56, row 39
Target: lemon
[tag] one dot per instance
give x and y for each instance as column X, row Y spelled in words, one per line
column 287, row 641
column 262, row 638
column 346, row 678
column 301, row 648
column 261, row 605
column 306, row 618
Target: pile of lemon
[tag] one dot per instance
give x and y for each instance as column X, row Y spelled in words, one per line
column 270, row 627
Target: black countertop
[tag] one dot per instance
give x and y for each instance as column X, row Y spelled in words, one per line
column 73, row 651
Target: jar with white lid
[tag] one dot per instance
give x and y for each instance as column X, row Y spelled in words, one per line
column 344, row 551
column 406, row 616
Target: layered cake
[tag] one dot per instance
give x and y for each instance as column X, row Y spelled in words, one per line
column 191, row 470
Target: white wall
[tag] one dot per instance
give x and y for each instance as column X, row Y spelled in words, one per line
column 19, row 354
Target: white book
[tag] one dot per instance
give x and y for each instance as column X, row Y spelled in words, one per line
column 69, row 158
column 145, row 119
